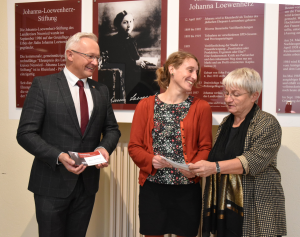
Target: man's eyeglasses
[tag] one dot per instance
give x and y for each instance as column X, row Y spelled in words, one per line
column 89, row 57
column 233, row 95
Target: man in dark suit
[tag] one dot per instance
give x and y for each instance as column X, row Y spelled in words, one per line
column 59, row 115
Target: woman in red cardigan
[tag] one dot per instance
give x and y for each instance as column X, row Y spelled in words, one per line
column 177, row 126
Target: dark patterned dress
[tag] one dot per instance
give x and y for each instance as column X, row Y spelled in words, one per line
column 167, row 139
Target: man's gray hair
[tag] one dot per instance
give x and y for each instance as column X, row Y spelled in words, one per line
column 244, row 78
column 74, row 39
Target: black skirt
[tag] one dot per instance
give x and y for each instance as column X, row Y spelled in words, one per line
column 170, row 209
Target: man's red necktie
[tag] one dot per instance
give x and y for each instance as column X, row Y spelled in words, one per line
column 84, row 112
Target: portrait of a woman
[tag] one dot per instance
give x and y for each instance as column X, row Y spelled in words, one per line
column 129, row 56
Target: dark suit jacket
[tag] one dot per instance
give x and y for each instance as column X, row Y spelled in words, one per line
column 49, row 126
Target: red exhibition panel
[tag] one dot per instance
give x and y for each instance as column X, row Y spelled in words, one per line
column 288, row 67
column 224, row 36
column 42, row 29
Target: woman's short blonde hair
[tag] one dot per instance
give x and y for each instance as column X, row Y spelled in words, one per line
column 175, row 59
column 244, row 78
column 74, row 39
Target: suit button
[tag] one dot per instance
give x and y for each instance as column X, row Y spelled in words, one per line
column 82, row 141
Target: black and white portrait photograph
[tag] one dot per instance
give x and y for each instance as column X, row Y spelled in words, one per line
column 130, row 45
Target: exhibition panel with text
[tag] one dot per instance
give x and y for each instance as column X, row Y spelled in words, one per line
column 41, row 32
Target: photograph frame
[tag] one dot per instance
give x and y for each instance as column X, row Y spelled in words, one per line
column 111, row 73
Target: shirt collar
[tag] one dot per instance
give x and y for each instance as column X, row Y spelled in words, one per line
column 72, row 79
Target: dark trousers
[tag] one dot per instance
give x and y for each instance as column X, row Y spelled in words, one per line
column 64, row 217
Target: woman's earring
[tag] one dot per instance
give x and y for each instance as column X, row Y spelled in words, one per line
column 172, row 74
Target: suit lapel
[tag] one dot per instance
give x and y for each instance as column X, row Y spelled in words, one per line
column 67, row 97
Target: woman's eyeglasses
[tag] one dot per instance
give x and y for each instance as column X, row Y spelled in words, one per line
column 233, row 95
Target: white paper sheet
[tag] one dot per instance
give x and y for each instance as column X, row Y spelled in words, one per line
column 176, row 164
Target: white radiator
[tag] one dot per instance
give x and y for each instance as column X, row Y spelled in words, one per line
column 124, row 193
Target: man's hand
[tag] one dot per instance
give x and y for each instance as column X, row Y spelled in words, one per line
column 105, row 155
column 65, row 159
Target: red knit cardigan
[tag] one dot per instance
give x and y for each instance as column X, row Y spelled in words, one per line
column 196, row 135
